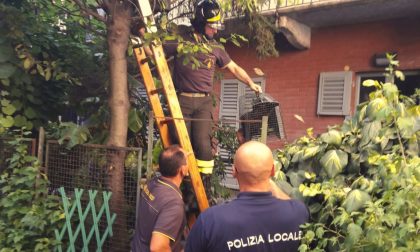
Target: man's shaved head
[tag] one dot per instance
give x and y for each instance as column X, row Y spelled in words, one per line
column 253, row 163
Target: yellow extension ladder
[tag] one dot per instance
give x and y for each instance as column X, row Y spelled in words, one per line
column 169, row 93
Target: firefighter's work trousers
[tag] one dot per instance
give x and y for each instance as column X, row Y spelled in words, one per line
column 200, row 131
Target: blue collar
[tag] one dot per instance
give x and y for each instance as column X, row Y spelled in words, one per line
column 245, row 195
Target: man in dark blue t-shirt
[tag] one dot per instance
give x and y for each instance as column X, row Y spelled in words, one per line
column 255, row 220
column 161, row 217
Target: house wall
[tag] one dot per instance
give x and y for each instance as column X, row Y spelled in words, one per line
column 292, row 78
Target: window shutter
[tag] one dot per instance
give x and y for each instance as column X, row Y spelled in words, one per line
column 334, row 93
column 231, row 92
column 228, row 111
column 229, row 102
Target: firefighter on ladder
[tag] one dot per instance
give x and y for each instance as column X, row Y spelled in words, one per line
column 194, row 85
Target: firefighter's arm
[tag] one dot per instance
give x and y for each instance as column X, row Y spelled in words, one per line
column 241, row 75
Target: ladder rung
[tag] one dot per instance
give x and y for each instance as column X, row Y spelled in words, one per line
column 167, row 120
column 146, row 60
column 156, row 91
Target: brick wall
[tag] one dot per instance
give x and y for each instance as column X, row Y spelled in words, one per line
column 292, row 78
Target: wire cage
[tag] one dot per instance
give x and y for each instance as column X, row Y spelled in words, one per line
column 252, row 109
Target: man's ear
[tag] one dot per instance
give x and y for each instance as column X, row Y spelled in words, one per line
column 272, row 171
column 184, row 170
column 234, row 171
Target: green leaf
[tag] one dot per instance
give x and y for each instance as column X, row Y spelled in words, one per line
column 303, row 248
column 295, row 178
column 17, row 104
column 311, row 152
column 370, row 83
column 30, row 113
column 310, row 235
column 406, row 126
column 20, row 121
column 40, row 69
column 134, row 121
column 375, row 107
column 4, row 102
column 74, row 134
column 7, row 121
column 390, row 219
column 47, row 74
column 5, row 82
column 354, row 233
column 27, row 63
column 355, row 200
column 334, row 161
column 235, row 42
column 319, row 232
column 333, row 137
column 297, row 156
column 6, row 53
column 390, row 91
column 414, row 111
column 369, row 132
column 9, row 109
column 399, row 75
column 402, row 110
column 6, row 70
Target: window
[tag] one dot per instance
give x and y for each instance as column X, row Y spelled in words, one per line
column 334, row 93
column 406, row 87
column 362, row 93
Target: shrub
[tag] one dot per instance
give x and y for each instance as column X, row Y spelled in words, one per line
column 360, row 180
column 28, row 215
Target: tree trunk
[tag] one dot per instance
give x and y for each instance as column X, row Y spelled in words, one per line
column 118, row 30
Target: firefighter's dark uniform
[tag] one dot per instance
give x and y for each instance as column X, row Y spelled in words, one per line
column 194, row 85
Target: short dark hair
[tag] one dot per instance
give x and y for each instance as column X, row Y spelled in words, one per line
column 171, row 160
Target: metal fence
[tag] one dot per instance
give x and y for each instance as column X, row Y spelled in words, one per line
column 99, row 168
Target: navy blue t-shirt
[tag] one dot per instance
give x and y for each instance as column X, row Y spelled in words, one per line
column 254, row 221
column 161, row 210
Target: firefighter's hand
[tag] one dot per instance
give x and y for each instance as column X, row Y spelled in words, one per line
column 256, row 88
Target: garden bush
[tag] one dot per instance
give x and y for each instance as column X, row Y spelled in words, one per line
column 360, row 180
column 28, row 215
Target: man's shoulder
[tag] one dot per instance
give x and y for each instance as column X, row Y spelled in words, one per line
column 164, row 191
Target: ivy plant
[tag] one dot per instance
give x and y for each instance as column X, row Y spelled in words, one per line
column 28, row 215
column 360, row 180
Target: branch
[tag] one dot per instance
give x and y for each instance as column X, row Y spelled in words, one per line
column 401, row 144
column 88, row 11
column 89, row 28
